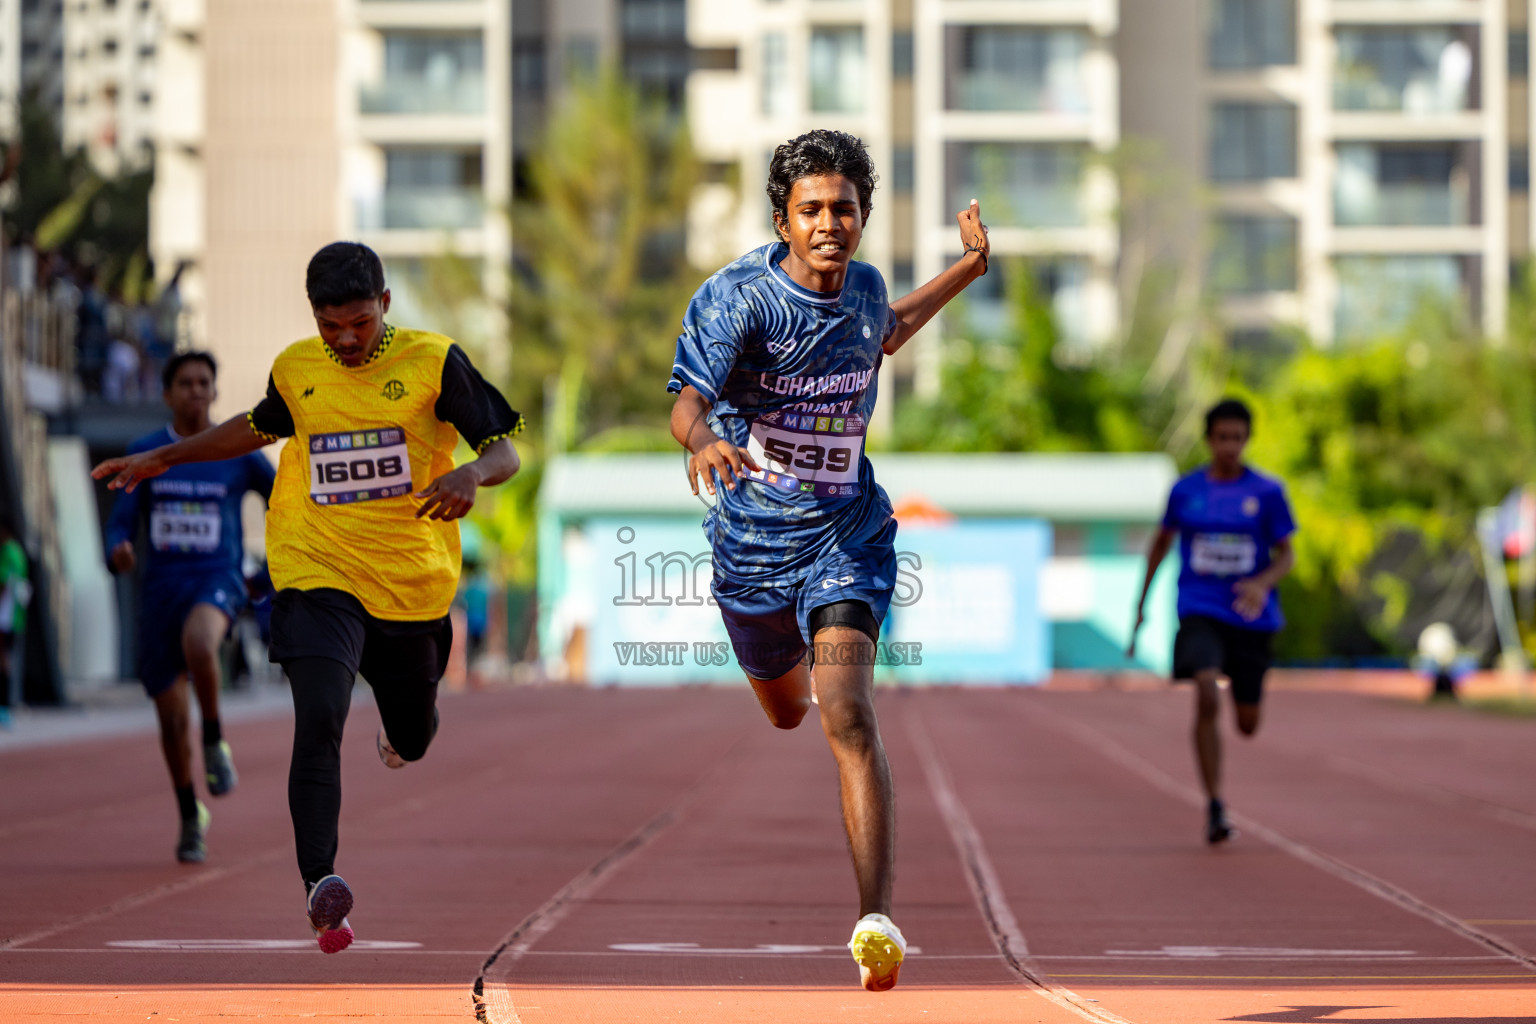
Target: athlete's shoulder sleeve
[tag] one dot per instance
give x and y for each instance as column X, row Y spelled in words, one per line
column 715, row 330
column 880, row 297
column 477, row 411
column 271, row 418
column 1278, row 520
column 1175, row 503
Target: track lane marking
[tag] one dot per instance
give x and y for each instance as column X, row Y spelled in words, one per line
column 985, row 888
column 389, row 812
column 1378, row 887
column 491, row 995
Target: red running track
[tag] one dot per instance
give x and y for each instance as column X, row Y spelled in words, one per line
column 665, row 855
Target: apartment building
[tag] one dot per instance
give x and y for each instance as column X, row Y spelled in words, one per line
column 31, row 58
column 1357, row 152
column 1340, row 161
column 1012, row 103
column 110, row 56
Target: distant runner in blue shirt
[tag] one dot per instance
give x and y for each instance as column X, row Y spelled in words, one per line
column 193, row 586
column 775, row 380
column 1234, row 530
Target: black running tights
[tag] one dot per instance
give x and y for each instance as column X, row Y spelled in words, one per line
column 322, row 694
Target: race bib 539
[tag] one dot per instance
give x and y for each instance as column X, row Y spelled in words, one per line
column 810, row 453
column 362, row 465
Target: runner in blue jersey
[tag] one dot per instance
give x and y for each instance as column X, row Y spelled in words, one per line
column 775, row 381
column 193, row 586
column 1234, row 530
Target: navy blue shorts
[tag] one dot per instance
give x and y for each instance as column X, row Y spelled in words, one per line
column 769, row 626
column 164, row 605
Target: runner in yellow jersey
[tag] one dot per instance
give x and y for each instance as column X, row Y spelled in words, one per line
column 362, row 538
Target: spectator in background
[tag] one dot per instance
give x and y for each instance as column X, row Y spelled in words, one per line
column 15, row 595
column 91, row 337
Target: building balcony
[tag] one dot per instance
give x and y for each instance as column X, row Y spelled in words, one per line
column 432, row 209
column 419, row 94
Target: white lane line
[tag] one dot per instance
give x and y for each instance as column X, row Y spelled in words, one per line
column 1359, row 877
column 308, row 949
column 985, row 887
column 492, row 995
column 204, row 876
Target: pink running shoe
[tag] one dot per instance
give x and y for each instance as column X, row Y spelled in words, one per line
column 329, row 903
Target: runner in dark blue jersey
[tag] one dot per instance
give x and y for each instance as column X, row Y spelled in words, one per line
column 193, row 586
column 775, row 377
column 1234, row 529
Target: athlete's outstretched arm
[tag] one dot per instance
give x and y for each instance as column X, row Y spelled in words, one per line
column 915, row 310
column 229, row 440
column 452, row 495
column 707, row 450
column 1162, row 543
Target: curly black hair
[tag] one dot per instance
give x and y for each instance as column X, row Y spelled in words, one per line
column 1228, row 409
column 343, row 272
column 822, row 151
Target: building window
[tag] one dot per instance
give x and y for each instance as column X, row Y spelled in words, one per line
column 1253, row 141
column 1402, row 185
column 1252, row 33
column 1415, row 70
column 1006, row 67
column 1519, row 53
column 580, row 58
column 1380, row 294
column 1020, row 184
column 837, row 69
column 1254, row 254
column 429, row 73
column 902, row 56
column 528, row 68
column 654, row 19
column 777, row 98
column 1519, row 169
column 903, row 170
column 428, row 188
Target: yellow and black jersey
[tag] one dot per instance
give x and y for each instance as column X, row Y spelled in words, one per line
column 365, row 439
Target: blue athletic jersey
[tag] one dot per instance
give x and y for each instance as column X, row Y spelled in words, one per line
column 790, row 374
column 1226, row 531
column 192, row 511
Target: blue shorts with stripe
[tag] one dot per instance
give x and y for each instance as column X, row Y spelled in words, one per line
column 769, row 625
column 165, row 603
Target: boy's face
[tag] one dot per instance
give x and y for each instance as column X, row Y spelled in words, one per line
column 824, row 224
column 1227, row 440
column 352, row 330
column 192, row 390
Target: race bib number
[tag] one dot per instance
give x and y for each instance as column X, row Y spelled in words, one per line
column 363, row 465
column 1223, row 554
column 185, row 526
column 809, row 453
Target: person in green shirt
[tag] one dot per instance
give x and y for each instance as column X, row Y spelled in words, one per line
column 15, row 592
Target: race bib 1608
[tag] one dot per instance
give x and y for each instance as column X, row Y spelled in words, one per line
column 806, row 452
column 360, row 465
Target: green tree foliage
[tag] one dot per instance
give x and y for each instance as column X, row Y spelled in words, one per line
column 602, row 282
column 1011, row 392
column 61, row 203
